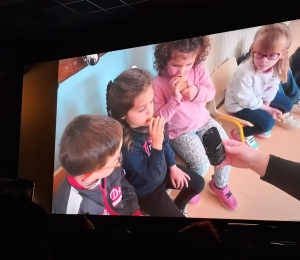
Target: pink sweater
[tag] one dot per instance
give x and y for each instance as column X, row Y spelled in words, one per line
column 182, row 117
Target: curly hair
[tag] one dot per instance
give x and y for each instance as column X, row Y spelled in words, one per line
column 163, row 51
column 120, row 96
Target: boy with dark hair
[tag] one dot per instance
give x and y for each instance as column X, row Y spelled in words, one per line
column 90, row 152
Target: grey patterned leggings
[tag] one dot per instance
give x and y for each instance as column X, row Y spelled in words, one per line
column 189, row 146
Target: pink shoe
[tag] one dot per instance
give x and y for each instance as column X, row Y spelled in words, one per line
column 195, row 199
column 225, row 196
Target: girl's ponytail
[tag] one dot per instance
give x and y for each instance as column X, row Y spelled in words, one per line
column 108, row 89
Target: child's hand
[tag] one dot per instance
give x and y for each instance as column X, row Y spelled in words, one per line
column 156, row 129
column 275, row 113
column 174, row 85
column 178, row 177
column 189, row 93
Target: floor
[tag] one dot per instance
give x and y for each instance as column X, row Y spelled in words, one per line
column 257, row 199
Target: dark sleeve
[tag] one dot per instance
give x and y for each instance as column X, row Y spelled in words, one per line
column 284, row 175
column 169, row 153
column 129, row 198
column 147, row 167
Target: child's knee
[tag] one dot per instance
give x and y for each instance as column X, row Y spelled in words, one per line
column 289, row 105
column 286, row 104
column 268, row 124
column 199, row 183
column 200, row 166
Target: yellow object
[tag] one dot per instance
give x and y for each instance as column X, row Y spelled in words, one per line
column 220, row 78
column 233, row 120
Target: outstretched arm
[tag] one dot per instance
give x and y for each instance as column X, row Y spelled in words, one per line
column 281, row 173
column 240, row 155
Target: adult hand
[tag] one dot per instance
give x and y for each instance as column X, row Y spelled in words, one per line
column 240, row 155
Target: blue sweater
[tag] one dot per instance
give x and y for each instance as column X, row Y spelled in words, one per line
column 145, row 166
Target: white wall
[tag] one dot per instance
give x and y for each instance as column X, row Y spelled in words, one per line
column 230, row 44
column 85, row 92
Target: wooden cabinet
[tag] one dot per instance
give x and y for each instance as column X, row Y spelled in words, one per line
column 69, row 67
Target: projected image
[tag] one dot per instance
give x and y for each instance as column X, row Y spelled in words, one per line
column 140, row 131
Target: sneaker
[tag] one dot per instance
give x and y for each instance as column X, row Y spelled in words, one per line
column 296, row 108
column 195, row 199
column 225, row 196
column 289, row 122
column 265, row 135
column 249, row 140
column 184, row 211
column 168, row 191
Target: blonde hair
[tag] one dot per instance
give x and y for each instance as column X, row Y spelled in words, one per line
column 267, row 39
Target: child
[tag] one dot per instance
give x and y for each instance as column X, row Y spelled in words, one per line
column 148, row 158
column 185, row 112
column 252, row 93
column 295, row 65
column 291, row 90
column 290, row 87
column 90, row 152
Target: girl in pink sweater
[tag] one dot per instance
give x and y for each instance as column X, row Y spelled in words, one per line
column 185, row 113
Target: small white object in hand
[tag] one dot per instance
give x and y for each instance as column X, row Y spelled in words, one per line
column 134, row 67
